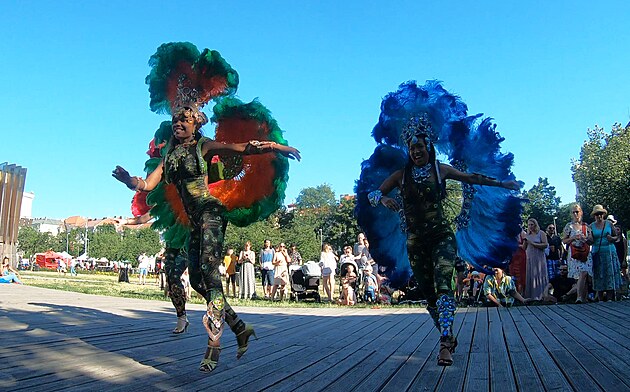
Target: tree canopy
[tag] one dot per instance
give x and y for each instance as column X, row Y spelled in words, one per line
column 602, row 173
column 542, row 202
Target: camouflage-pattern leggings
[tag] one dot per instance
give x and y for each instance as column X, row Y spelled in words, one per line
column 432, row 260
column 174, row 266
column 204, row 259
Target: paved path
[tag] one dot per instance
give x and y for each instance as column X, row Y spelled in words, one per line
column 55, row 340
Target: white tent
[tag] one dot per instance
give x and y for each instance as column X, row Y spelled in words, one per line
column 65, row 255
column 82, row 257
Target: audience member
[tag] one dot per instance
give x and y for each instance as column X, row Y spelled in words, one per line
column 348, row 284
column 230, row 261
column 186, row 283
column 328, row 263
column 517, row 264
column 296, row 257
column 265, row 259
column 247, row 257
column 577, row 235
column 500, row 290
column 554, row 252
column 606, row 268
column 143, row 268
column 358, row 251
column 561, row 288
column 9, row 275
column 536, row 265
column 280, row 262
column 370, row 285
column 621, row 247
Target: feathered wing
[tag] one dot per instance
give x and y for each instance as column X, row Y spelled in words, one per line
column 255, row 184
column 470, row 145
column 388, row 243
column 490, row 219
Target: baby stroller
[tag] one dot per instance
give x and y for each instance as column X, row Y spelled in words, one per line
column 304, row 281
column 343, row 270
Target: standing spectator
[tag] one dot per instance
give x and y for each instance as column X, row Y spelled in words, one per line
column 517, row 264
column 561, row 288
column 266, row 267
column 280, row 272
column 62, row 267
column 73, row 267
column 229, row 261
column 358, row 251
column 536, row 264
column 500, row 290
column 296, row 257
column 621, row 246
column 328, row 263
column 143, row 268
column 606, row 268
column 186, row 283
column 554, row 254
column 247, row 257
column 576, row 235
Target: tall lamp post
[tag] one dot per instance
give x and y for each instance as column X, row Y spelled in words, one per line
column 65, row 225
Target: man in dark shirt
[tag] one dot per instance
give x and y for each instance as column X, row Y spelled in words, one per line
column 561, row 288
column 555, row 251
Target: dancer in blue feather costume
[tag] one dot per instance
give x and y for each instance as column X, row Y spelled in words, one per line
column 404, row 176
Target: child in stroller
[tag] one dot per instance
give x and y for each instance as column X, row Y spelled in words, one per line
column 349, row 285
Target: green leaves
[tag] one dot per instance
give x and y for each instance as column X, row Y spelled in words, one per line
column 602, row 174
column 543, row 204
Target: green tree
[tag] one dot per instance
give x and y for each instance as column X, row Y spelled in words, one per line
column 313, row 198
column 31, row 241
column 602, row 173
column 542, row 202
column 341, row 226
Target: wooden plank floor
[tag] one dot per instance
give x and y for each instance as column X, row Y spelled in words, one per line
column 54, row 340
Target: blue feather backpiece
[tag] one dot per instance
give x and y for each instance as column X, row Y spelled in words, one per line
column 489, row 221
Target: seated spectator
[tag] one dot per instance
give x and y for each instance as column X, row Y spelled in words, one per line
column 561, row 288
column 500, row 290
column 475, row 287
column 9, row 275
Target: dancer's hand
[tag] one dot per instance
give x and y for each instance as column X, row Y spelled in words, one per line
column 511, row 184
column 122, row 175
column 390, row 203
column 288, row 151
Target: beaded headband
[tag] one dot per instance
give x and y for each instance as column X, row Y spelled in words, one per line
column 187, row 103
column 417, row 127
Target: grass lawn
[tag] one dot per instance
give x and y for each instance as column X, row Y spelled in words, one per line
column 104, row 283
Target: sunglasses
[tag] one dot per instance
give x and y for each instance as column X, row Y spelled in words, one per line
column 599, row 213
column 575, row 212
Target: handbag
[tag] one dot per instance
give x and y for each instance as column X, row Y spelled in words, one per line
column 580, row 253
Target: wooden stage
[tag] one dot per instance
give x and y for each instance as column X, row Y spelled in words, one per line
column 54, row 340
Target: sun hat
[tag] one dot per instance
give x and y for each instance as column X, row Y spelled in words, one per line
column 612, row 219
column 598, row 208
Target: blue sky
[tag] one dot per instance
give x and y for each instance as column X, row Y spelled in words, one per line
column 74, row 102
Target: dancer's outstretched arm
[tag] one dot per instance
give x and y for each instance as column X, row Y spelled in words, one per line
column 138, row 183
column 211, row 148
